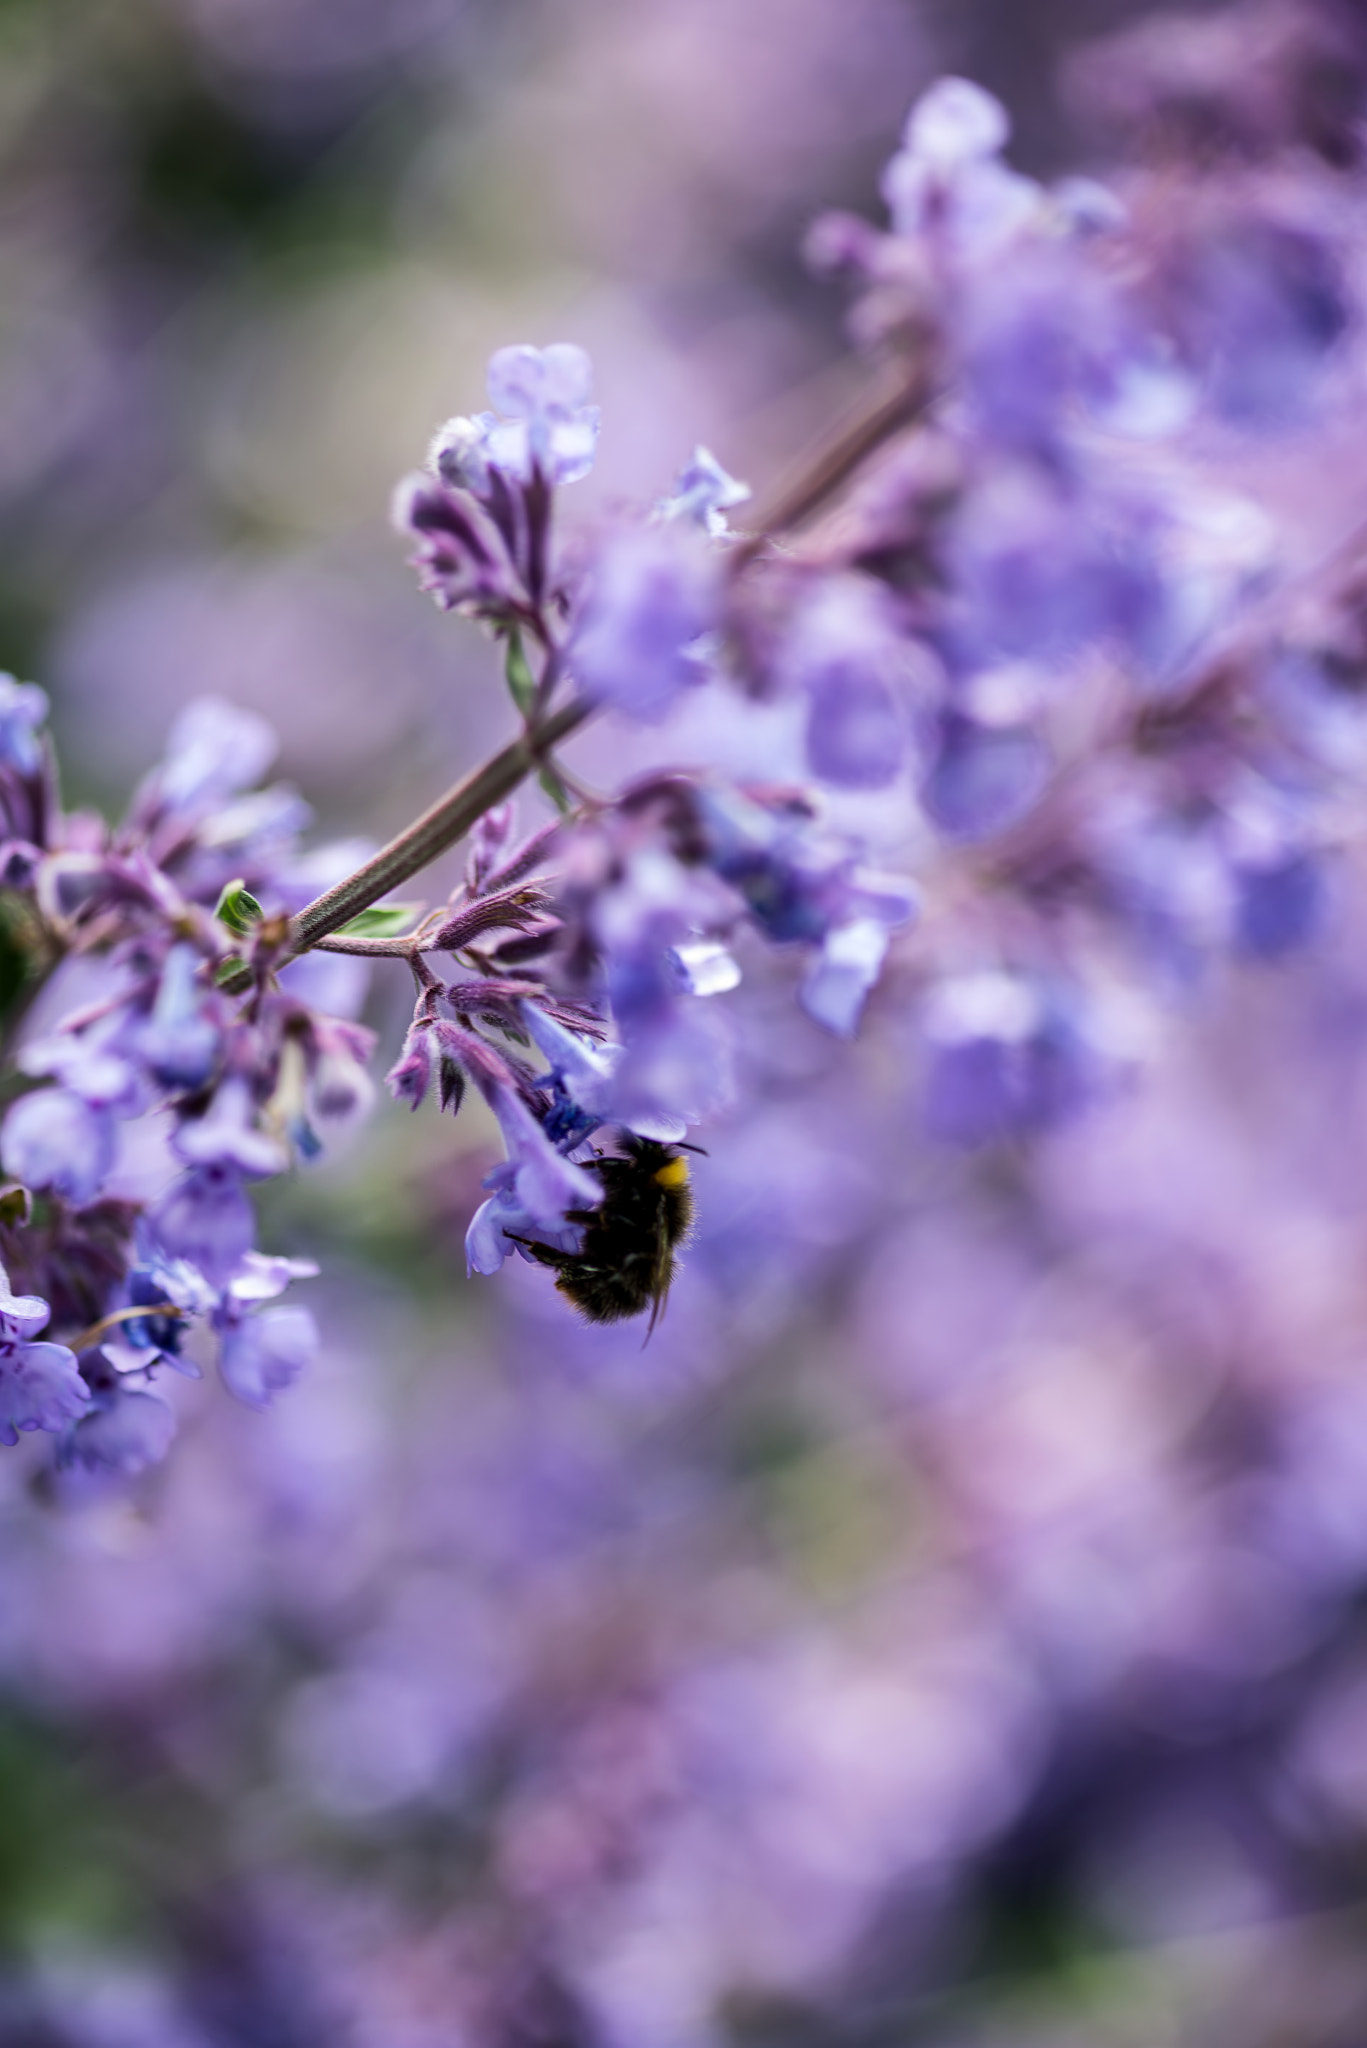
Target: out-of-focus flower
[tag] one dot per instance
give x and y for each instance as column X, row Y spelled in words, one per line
column 55, row 1139
column 642, row 635
column 40, row 1384
column 704, row 493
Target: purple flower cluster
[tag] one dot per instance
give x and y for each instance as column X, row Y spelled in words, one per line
column 145, row 1112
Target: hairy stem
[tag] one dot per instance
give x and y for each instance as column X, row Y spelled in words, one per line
column 835, row 459
column 439, row 827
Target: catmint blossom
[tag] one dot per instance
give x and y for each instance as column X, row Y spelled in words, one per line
column 23, row 708
column 55, row 1139
column 948, row 180
column 542, row 421
column 40, row 1383
column 206, row 1219
column 704, row 493
column 530, row 1193
column 263, row 1354
column 643, row 634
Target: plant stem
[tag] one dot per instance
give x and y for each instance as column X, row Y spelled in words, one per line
column 836, row 457
column 439, row 827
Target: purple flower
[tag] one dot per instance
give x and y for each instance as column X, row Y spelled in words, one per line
column 410, row 1078
column 215, row 749
column 181, row 1038
column 843, row 652
column 652, row 598
column 40, row 1384
column 161, row 1286
column 23, row 708
column 264, row 1354
column 586, row 1073
column 1007, row 1056
column 206, row 1219
column 547, row 424
column 1279, row 904
column 704, row 493
column 676, row 1057
column 125, row 1431
column 947, row 181
column 227, row 1134
column 530, row 1192
column 984, row 777
column 1258, row 304
column 956, row 122
column 456, row 558
column 796, row 880
column 836, row 985
column 53, row 1139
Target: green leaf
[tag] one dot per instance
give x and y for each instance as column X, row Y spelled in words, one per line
column 556, row 791
column 238, row 908
column 381, row 921
column 226, row 970
column 521, row 682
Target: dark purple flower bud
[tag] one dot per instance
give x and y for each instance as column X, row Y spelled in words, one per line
column 19, row 860
column 263, row 1354
column 53, row 1139
column 652, row 599
column 488, row 843
column 456, row 560
column 206, row 1219
column 983, row 777
column 410, row 1077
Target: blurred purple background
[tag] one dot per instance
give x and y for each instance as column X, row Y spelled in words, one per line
column 949, row 1630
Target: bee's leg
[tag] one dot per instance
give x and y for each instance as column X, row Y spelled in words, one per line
column 544, row 1254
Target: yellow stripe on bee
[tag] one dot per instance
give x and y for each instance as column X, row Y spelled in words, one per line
column 673, row 1174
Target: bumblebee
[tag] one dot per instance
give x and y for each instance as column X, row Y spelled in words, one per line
column 626, row 1261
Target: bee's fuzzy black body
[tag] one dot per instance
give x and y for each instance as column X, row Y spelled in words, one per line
column 626, row 1261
